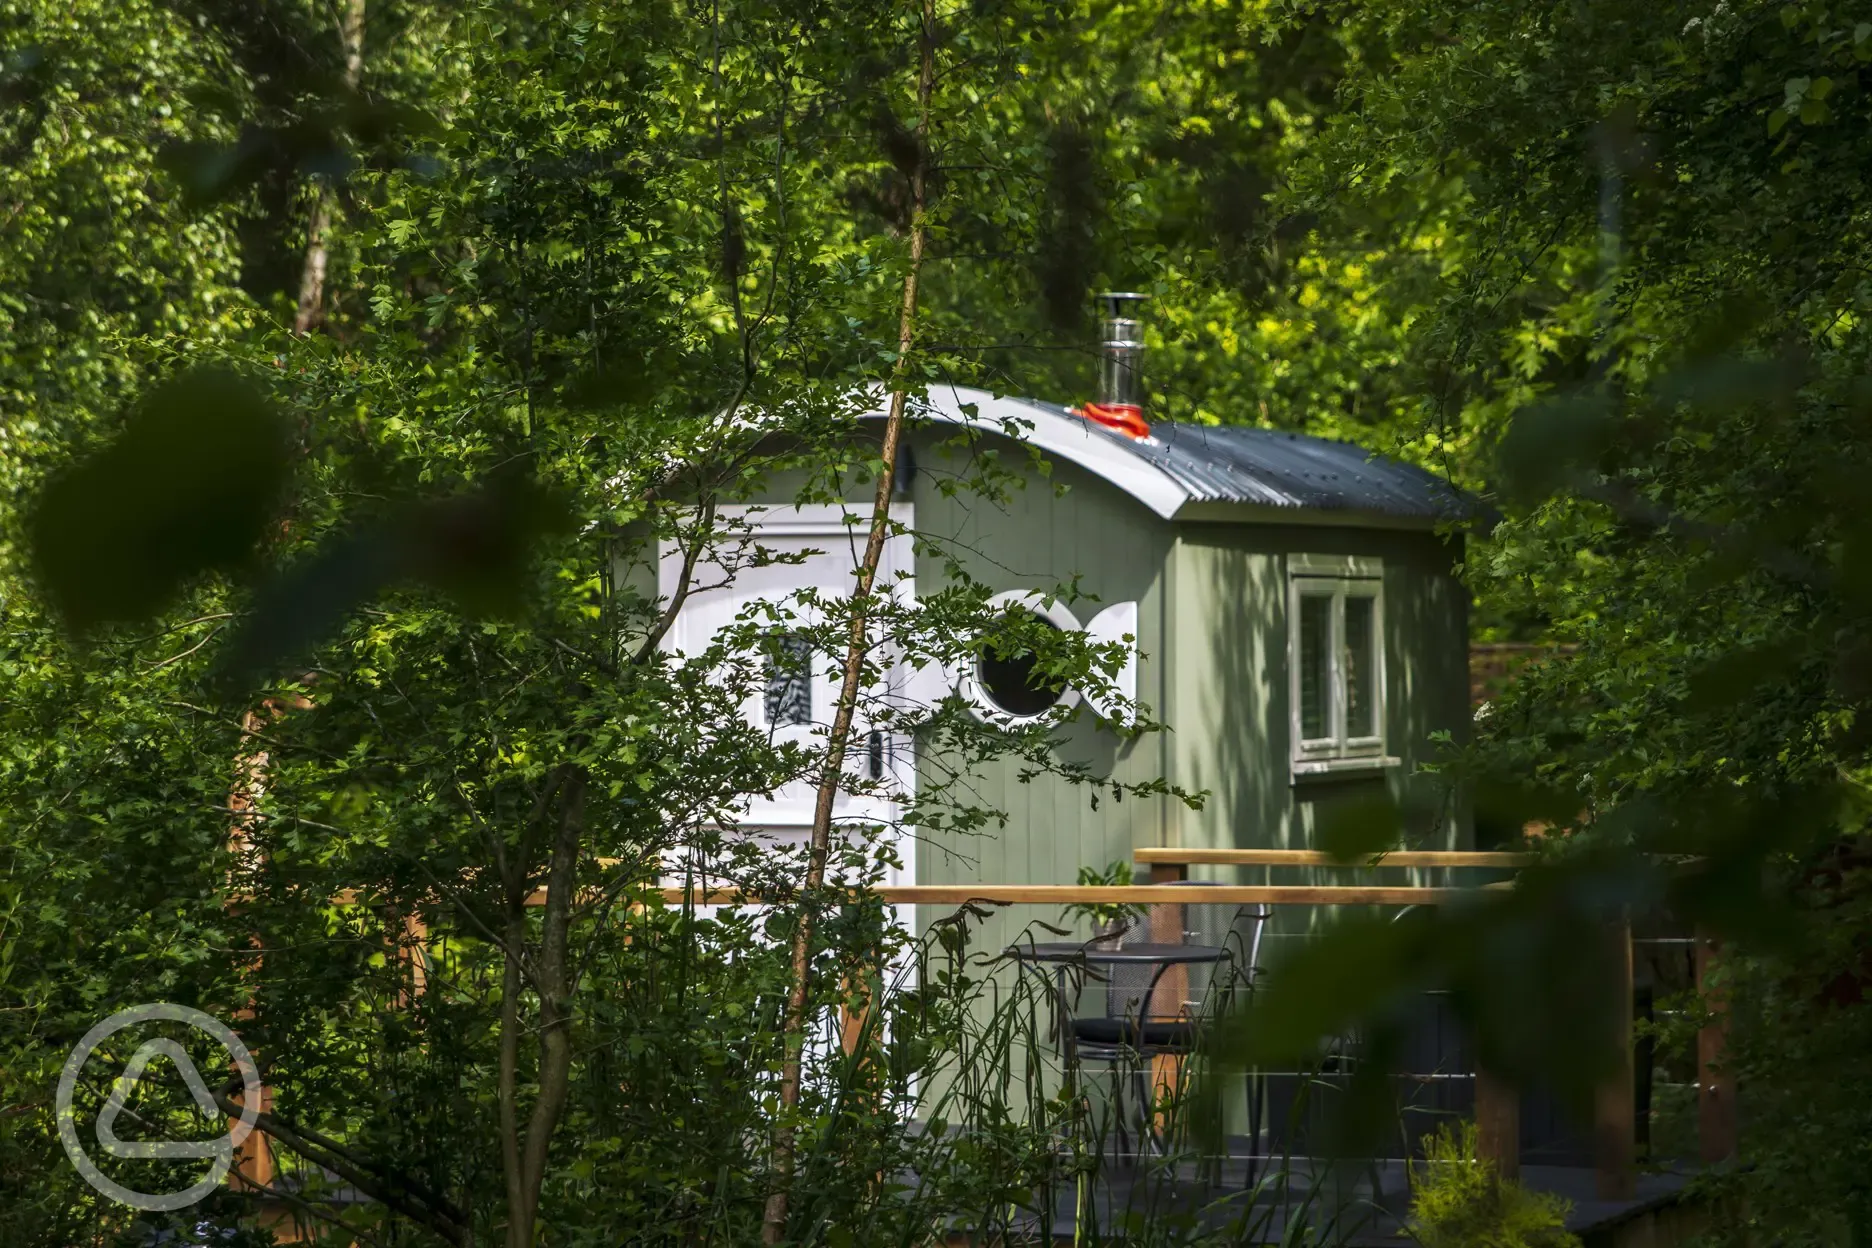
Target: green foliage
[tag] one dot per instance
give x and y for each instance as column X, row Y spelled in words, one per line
column 1647, row 319
column 1797, row 1049
column 98, row 257
column 1107, row 916
column 310, row 760
column 1604, row 263
column 1458, row 1201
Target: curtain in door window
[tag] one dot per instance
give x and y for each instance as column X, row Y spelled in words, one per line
column 789, row 681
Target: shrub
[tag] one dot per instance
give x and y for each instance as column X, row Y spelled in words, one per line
column 1459, row 1201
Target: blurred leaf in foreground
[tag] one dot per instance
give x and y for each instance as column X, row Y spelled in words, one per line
column 1554, row 444
column 474, row 546
column 330, row 142
column 1353, row 830
column 188, row 487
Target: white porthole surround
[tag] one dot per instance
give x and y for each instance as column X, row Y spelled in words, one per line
column 968, row 682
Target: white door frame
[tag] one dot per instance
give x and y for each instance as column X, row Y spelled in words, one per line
column 790, row 819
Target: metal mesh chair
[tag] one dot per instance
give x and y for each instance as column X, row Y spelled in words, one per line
column 1181, row 965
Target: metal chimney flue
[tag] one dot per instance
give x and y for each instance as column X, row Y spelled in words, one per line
column 1120, row 402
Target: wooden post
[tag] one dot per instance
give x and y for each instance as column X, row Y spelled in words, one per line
column 1166, row 928
column 1498, row 1122
column 1716, row 1108
column 1615, row 1134
column 410, row 953
column 854, row 1014
column 253, row 1160
column 1168, row 872
column 1167, row 921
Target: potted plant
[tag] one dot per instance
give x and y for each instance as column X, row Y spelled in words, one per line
column 1111, row 921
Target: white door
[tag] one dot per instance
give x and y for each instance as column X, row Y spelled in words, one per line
column 801, row 689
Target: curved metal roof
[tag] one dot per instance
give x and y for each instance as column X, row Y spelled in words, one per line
column 1276, row 468
column 1180, row 465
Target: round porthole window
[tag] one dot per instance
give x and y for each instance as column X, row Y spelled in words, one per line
column 1011, row 683
column 1005, row 683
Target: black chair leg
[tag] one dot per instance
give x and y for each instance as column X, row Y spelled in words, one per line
column 1256, row 1103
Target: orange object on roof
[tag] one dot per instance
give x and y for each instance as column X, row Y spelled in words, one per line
column 1126, row 418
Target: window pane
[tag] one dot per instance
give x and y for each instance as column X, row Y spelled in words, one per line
column 789, row 681
column 1315, row 659
column 1010, row 681
column 1361, row 667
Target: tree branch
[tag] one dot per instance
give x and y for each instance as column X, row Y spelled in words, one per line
column 412, row 1199
column 793, row 1027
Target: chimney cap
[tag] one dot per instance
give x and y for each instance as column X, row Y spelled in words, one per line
column 1118, row 303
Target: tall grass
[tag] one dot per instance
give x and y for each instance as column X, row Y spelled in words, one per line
column 988, row 1133
column 939, row 1104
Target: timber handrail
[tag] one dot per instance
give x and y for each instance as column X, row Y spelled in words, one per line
column 1505, row 860
column 1079, row 894
column 1107, row 894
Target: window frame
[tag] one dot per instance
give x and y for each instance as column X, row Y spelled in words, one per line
column 969, row 685
column 1336, row 578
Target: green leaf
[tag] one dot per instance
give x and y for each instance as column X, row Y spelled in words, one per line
column 188, row 487
column 1356, row 828
column 1552, row 444
column 1739, row 674
column 1324, row 987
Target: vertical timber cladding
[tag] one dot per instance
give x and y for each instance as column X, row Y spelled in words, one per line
column 1229, row 697
column 1035, row 539
column 1213, row 665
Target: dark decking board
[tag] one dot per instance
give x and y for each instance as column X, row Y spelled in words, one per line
column 1337, row 1201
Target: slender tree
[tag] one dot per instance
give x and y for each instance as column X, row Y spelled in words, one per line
column 858, row 646
column 310, row 308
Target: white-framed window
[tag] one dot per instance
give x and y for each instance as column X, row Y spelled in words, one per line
column 1335, row 612
column 1003, row 688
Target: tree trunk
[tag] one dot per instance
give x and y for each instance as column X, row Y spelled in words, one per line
column 311, row 309
column 254, row 1162
column 793, row 1027
column 524, row 1155
column 509, row 1086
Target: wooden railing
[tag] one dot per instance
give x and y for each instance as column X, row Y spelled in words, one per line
column 1177, row 860
column 1497, row 1102
column 1142, row 894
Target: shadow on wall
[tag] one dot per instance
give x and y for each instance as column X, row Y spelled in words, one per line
column 1231, row 712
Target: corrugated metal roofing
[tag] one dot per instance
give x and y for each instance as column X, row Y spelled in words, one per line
column 1275, row 468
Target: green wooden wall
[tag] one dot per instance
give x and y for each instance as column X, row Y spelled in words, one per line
column 1228, row 699
column 1213, row 637
column 1034, row 540
column 1213, row 631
